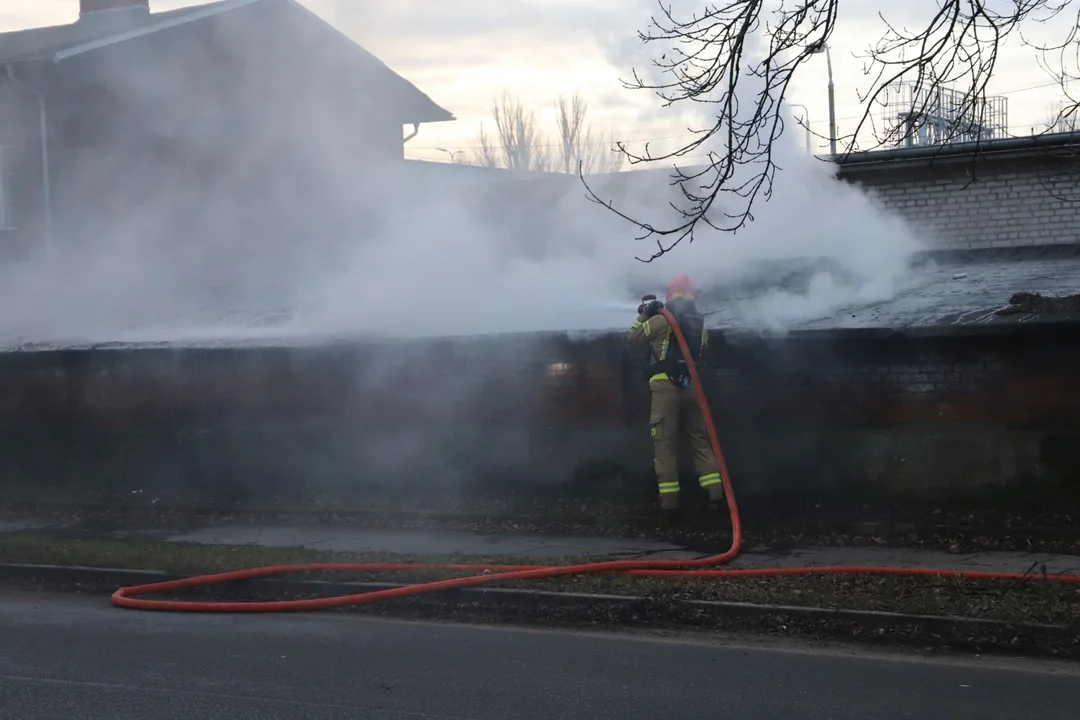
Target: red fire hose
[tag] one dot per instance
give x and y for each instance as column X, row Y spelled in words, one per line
column 702, row 568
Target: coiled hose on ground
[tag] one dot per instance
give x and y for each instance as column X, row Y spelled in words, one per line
column 708, row 567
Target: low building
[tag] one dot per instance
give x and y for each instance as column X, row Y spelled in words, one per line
column 1002, row 193
column 234, row 119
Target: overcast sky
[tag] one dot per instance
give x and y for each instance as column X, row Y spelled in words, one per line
column 463, row 52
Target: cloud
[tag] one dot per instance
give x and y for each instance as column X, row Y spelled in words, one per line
column 465, row 52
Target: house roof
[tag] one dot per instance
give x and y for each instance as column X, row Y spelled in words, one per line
column 61, row 42
column 890, row 159
column 938, row 298
column 49, row 43
column 935, row 295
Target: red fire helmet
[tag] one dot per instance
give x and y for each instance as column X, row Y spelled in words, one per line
column 681, row 287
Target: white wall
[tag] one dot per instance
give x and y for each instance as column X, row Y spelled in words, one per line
column 1008, row 204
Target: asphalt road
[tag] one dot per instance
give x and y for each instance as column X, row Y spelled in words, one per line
column 69, row 657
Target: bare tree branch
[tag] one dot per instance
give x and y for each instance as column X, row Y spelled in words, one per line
column 1063, row 118
column 519, row 144
column 570, row 118
column 1061, row 61
column 738, row 58
column 485, row 154
column 581, row 146
column 519, row 136
column 601, row 153
column 958, row 47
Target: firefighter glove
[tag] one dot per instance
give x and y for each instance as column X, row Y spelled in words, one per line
column 650, row 306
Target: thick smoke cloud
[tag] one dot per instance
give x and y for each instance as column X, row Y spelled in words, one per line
column 324, row 242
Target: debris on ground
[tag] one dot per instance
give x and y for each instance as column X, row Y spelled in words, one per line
column 1030, row 618
column 1035, row 601
column 1036, row 303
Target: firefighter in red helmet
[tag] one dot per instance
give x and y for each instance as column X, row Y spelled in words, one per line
column 675, row 411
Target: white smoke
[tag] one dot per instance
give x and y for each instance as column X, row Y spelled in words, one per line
column 415, row 251
column 450, row 272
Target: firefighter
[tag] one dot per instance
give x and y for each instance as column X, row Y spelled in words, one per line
column 675, row 410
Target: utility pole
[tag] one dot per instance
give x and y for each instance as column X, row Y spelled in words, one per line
column 824, row 47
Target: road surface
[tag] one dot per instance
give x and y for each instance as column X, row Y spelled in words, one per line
column 64, row 657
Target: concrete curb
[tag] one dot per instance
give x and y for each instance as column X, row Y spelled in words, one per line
column 682, row 612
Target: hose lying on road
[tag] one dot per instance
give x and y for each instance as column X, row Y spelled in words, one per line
column 702, row 568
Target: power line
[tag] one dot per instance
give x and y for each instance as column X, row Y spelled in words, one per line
column 1056, row 83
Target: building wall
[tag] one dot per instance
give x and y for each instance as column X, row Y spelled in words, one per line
column 986, row 203
column 302, row 85
column 885, row 415
column 955, row 203
column 152, row 135
column 21, row 188
column 907, row 414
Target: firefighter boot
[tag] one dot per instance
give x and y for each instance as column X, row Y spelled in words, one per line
column 716, row 503
column 714, row 487
column 669, row 502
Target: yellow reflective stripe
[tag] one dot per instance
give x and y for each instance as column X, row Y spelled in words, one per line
column 648, row 327
column 710, row 479
column 637, row 325
column 664, row 347
column 659, row 376
column 668, row 487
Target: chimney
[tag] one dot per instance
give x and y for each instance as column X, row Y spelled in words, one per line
column 92, row 6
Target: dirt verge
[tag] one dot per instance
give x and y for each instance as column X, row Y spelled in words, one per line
column 958, row 528
column 1032, row 601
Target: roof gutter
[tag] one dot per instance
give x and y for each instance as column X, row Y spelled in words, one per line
column 210, row 11
column 961, row 152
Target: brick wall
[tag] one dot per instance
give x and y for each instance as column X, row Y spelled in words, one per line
column 983, row 204
column 914, row 414
column 909, row 415
column 1015, row 379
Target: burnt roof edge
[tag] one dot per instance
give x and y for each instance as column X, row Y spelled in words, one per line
column 1036, row 326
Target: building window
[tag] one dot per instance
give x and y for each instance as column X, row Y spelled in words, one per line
column 7, row 187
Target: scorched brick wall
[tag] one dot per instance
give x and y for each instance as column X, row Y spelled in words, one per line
column 910, row 414
column 946, row 380
column 935, row 411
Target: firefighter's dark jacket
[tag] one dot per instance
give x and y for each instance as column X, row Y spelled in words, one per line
column 656, row 332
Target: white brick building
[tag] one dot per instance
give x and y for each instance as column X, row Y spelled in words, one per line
column 1008, row 193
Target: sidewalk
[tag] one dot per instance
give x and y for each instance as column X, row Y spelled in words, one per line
column 554, row 547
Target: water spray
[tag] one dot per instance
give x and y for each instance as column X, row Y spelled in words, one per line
column 621, row 305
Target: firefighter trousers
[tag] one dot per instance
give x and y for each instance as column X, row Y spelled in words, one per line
column 675, row 412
